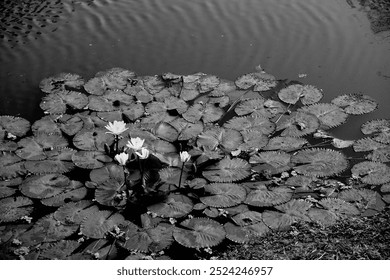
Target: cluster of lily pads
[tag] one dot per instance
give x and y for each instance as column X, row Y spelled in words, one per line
column 126, row 166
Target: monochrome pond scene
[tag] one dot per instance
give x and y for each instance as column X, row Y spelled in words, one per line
column 207, row 130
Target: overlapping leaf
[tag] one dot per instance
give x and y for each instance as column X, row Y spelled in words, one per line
column 214, row 137
column 298, row 124
column 61, row 81
column 306, row 93
column 16, row 126
column 223, row 195
column 271, row 162
column 380, row 128
column 261, row 124
column 369, row 172
column 355, row 103
column 14, row 208
column 206, row 112
column 174, row 206
column 227, row 170
column 328, row 114
column 267, row 198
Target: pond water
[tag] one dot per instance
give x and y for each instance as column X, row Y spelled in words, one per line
column 328, row 41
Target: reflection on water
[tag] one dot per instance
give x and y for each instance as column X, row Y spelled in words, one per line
column 327, row 42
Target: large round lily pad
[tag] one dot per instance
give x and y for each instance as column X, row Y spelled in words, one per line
column 174, row 206
column 14, row 208
column 90, row 159
column 227, row 170
column 44, row 186
column 267, row 198
column 223, row 195
column 13, row 126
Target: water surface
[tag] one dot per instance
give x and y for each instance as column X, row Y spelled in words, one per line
column 328, row 41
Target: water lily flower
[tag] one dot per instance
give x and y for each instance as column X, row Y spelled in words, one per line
column 143, row 154
column 117, row 127
column 122, row 158
column 135, row 143
column 184, row 156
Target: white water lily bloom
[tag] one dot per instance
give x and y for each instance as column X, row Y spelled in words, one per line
column 122, row 158
column 184, row 156
column 116, row 128
column 135, row 143
column 143, row 154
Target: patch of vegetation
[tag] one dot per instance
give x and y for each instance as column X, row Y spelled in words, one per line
column 129, row 167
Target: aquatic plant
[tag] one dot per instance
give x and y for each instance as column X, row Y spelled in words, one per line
column 124, row 166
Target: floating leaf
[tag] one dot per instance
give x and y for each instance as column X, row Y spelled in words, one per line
column 355, row 103
column 8, row 146
column 186, row 129
column 174, row 206
column 73, row 212
column 44, row 186
column 172, row 175
column 214, row 137
column 70, row 124
column 380, row 155
column 267, row 198
column 328, row 114
column 271, row 162
column 322, row 216
column 36, row 148
column 92, row 139
column 380, row 127
column 166, row 131
column 95, row 86
column 374, row 173
column 74, row 192
column 14, row 208
column 300, row 181
column 151, row 239
column 90, row 159
column 367, row 144
column 285, row 143
column 296, row 208
column 208, row 83
column 13, row 125
column 199, row 233
column 61, row 81
column 60, row 250
column 47, row 229
column 339, row 207
column 112, row 100
column 364, row 199
column 298, row 124
column 277, row 220
column 307, row 93
column 56, row 103
column 11, row 166
column 319, row 162
column 253, row 140
column 97, row 223
column 58, row 161
column 236, row 233
column 249, row 106
column 247, row 218
column 223, row 195
column 45, row 125
column 227, row 170
column 260, row 80
column 261, row 124
column 133, row 112
column 116, row 78
column 206, row 112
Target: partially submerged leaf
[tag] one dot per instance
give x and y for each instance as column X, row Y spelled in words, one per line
column 267, row 198
column 223, row 195
column 174, row 206
column 14, row 208
column 199, row 233
column 355, row 103
column 319, row 162
column 374, row 173
column 227, row 170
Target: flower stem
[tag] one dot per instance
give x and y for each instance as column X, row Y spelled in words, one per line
column 116, row 143
column 181, row 174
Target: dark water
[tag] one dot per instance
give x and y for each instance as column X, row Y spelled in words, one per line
column 328, row 41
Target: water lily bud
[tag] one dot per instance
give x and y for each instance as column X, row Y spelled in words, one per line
column 143, row 154
column 122, row 158
column 184, row 156
column 116, row 128
column 135, row 143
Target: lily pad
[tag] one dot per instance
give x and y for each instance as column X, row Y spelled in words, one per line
column 112, row 100
column 339, row 207
column 261, row 124
column 285, row 143
column 11, row 166
column 253, row 140
column 227, row 170
column 16, row 126
column 374, row 173
column 44, row 186
column 215, row 137
column 73, row 212
column 364, row 199
column 14, row 208
column 199, row 233
column 271, row 162
column 355, row 103
column 261, row 81
column 57, row 161
column 329, row 115
column 186, row 129
column 205, row 112
column 296, row 208
column 45, row 125
column 267, row 198
column 277, row 220
column 208, row 83
column 97, row 223
column 367, row 144
column 172, row 175
column 116, row 78
column 322, row 216
column 380, row 155
column 247, row 218
column 61, row 81
column 58, row 102
column 75, row 191
column 92, row 139
column 223, row 195
column 166, row 132
column 36, row 148
column 298, row 124
column 319, row 162
column 306, row 93
column 90, row 159
column 380, row 128
column 174, row 206
column 60, row 250
column 249, row 106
